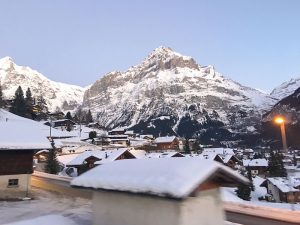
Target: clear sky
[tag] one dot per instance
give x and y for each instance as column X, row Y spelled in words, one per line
column 254, row 42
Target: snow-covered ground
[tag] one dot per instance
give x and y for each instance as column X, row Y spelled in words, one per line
column 45, row 203
column 229, row 195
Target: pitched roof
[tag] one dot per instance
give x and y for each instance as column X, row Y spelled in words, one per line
column 284, row 185
column 21, row 133
column 104, row 156
column 169, row 177
column 166, row 139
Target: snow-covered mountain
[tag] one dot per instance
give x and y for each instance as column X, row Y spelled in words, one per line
column 61, row 95
column 170, row 93
column 285, row 89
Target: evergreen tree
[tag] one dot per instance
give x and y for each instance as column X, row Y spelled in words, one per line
column 249, row 176
column 187, row 149
column 52, row 165
column 68, row 116
column 18, row 105
column 196, row 147
column 244, row 191
column 2, row 104
column 276, row 166
column 29, row 104
column 42, row 108
column 89, row 117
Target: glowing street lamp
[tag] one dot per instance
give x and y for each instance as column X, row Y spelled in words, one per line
column 281, row 121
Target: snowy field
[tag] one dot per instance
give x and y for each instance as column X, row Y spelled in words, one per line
column 77, row 210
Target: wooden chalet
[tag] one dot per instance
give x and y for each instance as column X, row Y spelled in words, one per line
column 17, row 147
column 63, row 124
column 89, row 159
column 282, row 189
column 168, row 142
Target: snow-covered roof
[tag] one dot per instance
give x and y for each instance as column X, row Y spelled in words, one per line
column 166, row 139
column 21, row 133
column 255, row 162
column 207, row 155
column 129, row 132
column 119, row 129
column 227, row 151
column 170, row 177
column 283, row 184
column 139, row 154
column 162, row 155
column 103, row 156
column 65, row 159
column 227, row 157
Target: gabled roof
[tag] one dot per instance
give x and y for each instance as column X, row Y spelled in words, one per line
column 17, row 133
column 167, row 139
column 169, row 177
column 283, row 184
column 103, row 156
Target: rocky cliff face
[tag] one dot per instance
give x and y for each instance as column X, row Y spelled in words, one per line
column 170, row 93
column 64, row 96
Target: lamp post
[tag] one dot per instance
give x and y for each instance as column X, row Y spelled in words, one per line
column 281, row 121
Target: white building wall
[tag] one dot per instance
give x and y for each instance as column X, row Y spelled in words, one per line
column 117, row 208
column 20, row 191
column 206, row 208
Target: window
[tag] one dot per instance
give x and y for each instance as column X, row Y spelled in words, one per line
column 13, row 182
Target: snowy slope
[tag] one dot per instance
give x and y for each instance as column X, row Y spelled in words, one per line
column 286, row 89
column 19, row 132
column 61, row 95
column 171, row 87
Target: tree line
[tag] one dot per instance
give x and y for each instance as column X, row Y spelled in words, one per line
column 36, row 107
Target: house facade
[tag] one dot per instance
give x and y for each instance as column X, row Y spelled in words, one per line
column 168, row 142
column 283, row 190
column 18, row 142
column 16, row 167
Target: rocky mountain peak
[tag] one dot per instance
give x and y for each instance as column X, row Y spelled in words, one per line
column 7, row 63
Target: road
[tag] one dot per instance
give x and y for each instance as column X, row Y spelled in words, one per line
column 59, row 186
column 64, row 187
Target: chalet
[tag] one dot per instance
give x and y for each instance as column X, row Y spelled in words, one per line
column 211, row 156
column 257, row 166
column 120, row 140
column 168, row 142
column 41, row 155
column 282, row 189
column 63, row 124
column 89, row 159
column 128, row 192
column 117, row 131
column 57, row 115
column 18, row 142
column 230, row 160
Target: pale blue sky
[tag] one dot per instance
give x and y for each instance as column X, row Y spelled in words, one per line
column 255, row 42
